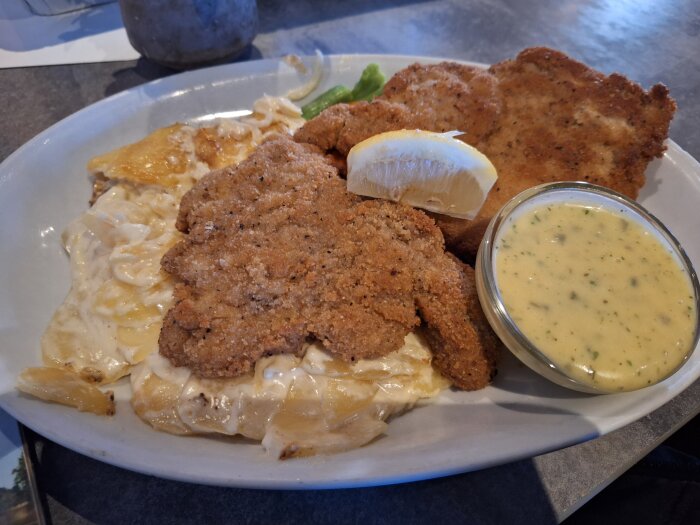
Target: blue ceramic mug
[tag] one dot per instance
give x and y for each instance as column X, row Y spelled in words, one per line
column 189, row 33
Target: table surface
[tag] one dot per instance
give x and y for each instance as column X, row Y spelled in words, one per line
column 648, row 41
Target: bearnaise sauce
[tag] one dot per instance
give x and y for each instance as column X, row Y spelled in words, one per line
column 606, row 300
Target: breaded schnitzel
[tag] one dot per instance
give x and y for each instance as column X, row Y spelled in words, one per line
column 541, row 117
column 277, row 251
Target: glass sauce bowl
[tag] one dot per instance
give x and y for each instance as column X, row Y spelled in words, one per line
column 491, row 298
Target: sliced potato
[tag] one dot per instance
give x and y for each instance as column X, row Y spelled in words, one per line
column 67, row 388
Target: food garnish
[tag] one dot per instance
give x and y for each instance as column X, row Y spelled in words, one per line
column 369, row 86
column 306, row 89
column 433, row 171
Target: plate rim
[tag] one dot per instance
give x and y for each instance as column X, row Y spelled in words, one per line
column 168, row 84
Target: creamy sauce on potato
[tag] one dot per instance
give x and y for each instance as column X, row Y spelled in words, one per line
column 598, row 294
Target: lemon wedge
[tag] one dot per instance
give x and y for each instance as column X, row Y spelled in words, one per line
column 433, row 171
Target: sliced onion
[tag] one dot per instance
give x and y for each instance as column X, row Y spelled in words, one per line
column 314, row 81
column 296, row 62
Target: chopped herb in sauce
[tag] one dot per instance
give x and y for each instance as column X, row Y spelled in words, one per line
column 630, row 300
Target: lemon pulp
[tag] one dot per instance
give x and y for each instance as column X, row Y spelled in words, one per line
column 433, row 171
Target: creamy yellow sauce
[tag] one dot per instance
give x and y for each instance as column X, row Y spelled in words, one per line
column 602, row 297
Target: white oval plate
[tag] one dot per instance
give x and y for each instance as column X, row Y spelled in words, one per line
column 43, row 185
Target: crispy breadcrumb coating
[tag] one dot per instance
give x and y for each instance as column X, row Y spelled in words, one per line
column 277, row 252
column 541, row 117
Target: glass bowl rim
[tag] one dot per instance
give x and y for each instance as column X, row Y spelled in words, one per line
column 497, row 313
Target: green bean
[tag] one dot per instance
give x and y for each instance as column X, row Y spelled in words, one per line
column 334, row 95
column 370, row 84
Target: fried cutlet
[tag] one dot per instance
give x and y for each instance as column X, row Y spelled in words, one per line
column 541, row 117
column 340, row 127
column 277, row 252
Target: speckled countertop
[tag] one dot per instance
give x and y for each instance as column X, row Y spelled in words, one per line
column 648, row 41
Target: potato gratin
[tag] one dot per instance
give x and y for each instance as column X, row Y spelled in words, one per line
column 108, row 325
